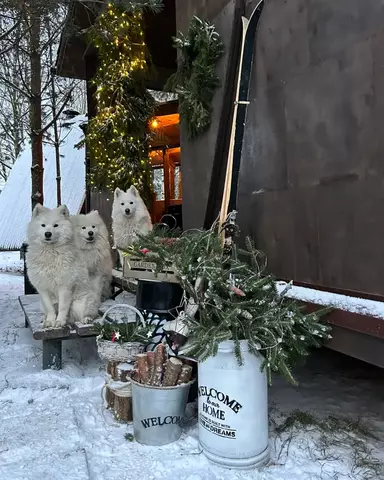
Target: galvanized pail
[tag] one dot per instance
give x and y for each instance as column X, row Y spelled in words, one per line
column 158, row 412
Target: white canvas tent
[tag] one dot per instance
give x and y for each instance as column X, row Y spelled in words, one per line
column 15, row 199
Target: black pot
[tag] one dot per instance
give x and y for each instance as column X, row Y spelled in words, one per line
column 158, row 296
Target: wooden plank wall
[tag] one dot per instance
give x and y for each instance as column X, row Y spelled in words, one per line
column 102, row 201
column 198, row 156
column 311, row 185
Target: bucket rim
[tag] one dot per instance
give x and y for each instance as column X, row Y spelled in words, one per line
column 172, row 387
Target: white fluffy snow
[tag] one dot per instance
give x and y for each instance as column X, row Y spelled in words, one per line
column 343, row 302
column 54, row 427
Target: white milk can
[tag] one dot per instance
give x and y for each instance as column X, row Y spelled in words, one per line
column 233, row 408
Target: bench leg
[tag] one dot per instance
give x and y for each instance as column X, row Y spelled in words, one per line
column 116, row 293
column 52, row 354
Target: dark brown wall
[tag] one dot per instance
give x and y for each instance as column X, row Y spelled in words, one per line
column 197, row 156
column 312, row 177
column 204, row 9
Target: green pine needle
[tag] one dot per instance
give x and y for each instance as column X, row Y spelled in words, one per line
column 274, row 326
column 195, row 81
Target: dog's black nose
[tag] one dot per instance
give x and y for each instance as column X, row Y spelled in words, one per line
column 90, row 233
column 48, row 234
column 127, row 211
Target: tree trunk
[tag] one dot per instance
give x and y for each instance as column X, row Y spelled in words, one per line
column 37, row 170
column 55, row 119
column 57, row 145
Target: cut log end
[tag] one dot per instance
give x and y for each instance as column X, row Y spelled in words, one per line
column 122, row 407
column 172, row 371
column 124, row 372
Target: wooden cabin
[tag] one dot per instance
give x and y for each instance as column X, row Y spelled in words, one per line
column 77, row 59
column 311, row 180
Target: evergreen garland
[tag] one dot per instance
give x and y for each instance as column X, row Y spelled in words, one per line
column 118, row 136
column 237, row 301
column 195, row 81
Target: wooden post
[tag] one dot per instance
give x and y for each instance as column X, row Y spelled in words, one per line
column 166, row 180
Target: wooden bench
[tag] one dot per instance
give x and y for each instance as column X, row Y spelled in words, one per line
column 122, row 284
column 52, row 337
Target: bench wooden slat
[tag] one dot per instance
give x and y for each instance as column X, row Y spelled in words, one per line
column 85, row 330
column 33, row 313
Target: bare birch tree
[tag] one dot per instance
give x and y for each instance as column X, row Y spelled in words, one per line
column 30, row 29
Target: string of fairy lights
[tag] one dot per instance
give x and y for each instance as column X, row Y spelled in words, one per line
column 118, row 137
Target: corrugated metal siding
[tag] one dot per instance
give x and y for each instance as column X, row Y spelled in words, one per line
column 15, row 199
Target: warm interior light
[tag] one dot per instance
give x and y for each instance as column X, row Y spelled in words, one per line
column 154, row 123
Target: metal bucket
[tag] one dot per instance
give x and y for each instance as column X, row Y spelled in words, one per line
column 158, row 412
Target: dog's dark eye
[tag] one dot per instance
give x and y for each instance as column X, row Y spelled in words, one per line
column 93, row 226
column 55, row 225
column 122, row 203
column 131, row 203
column 43, row 225
column 83, row 228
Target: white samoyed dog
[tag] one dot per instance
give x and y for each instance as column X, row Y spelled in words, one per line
column 129, row 217
column 92, row 239
column 56, row 270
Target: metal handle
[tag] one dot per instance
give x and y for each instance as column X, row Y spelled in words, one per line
column 173, row 218
column 125, row 305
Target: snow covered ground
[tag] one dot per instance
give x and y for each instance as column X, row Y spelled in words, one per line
column 54, row 427
column 11, row 262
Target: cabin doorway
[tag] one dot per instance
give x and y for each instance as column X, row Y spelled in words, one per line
column 166, row 167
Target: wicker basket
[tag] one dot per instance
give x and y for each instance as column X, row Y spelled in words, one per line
column 120, row 352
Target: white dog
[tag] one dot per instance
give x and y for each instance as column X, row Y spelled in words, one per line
column 91, row 238
column 56, row 271
column 129, row 217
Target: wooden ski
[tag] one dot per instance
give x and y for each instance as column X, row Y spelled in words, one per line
column 239, row 114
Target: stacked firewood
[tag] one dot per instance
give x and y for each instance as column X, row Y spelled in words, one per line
column 159, row 370
column 118, row 390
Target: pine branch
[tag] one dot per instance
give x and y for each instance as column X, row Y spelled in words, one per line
column 154, row 6
column 195, row 81
column 246, row 308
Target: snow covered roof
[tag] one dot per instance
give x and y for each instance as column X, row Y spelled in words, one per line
column 15, row 199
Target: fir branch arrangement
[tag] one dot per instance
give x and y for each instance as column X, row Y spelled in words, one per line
column 123, row 332
column 195, row 81
column 118, row 137
column 237, row 300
